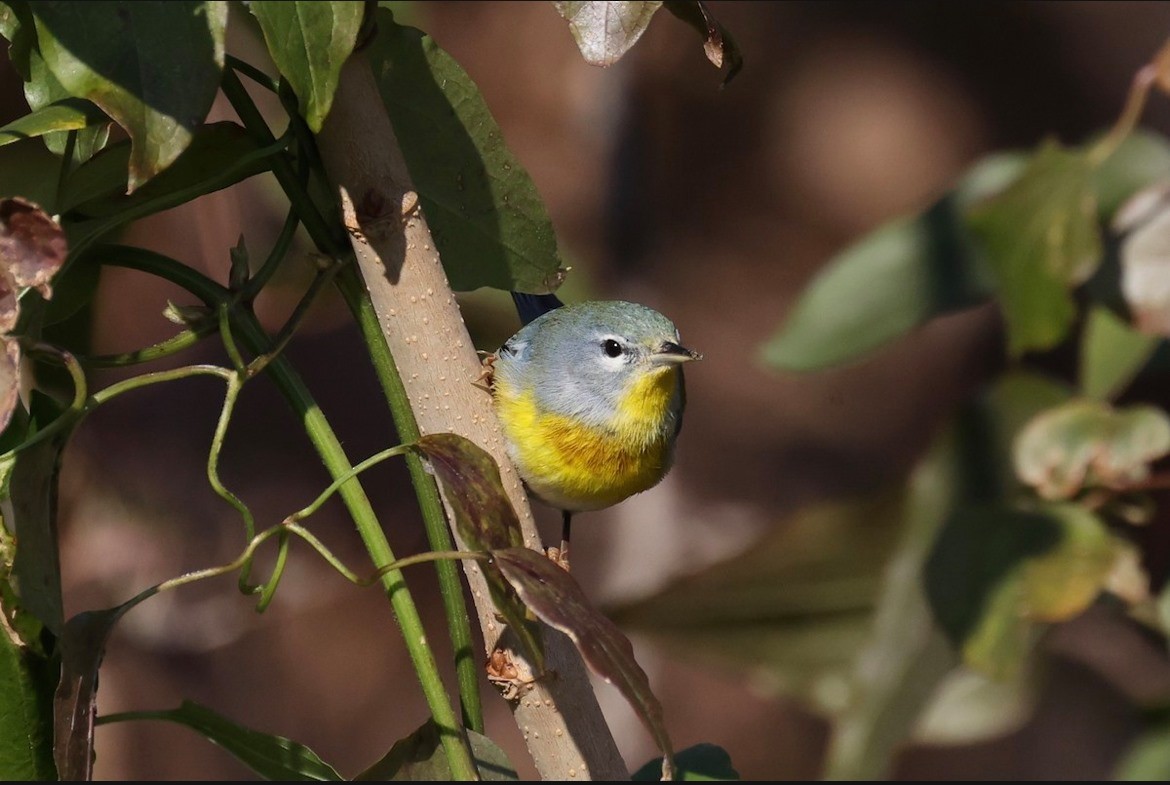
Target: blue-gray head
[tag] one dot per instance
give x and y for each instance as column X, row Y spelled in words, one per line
column 585, row 359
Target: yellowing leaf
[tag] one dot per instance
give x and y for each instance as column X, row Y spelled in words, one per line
column 1084, row 444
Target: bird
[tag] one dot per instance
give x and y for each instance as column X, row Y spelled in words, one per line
column 590, row 398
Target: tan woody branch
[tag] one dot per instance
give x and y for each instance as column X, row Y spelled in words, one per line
column 559, row 716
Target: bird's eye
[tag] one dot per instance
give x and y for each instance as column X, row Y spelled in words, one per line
column 611, row 348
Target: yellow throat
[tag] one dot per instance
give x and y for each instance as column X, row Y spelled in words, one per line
column 577, row 467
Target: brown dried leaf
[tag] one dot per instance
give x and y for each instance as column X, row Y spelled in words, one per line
column 9, row 380
column 486, row 521
column 9, row 306
column 551, row 593
column 32, row 245
column 718, row 44
column 482, row 511
column 75, row 704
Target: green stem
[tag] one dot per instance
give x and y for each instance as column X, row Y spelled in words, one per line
column 354, row 291
column 167, row 348
column 66, row 163
column 235, row 383
column 333, row 455
column 252, row 72
column 306, row 142
column 321, row 232
column 127, row 716
column 229, row 342
column 68, row 418
column 373, row 460
column 279, row 250
column 352, row 577
column 352, row 288
column 285, row 335
column 268, row 590
column 147, row 379
column 133, row 258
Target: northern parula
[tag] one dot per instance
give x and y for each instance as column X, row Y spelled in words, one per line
column 590, row 397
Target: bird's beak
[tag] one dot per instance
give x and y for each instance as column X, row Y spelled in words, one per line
column 670, row 353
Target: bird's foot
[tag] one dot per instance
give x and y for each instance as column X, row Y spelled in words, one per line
column 559, row 556
column 487, row 372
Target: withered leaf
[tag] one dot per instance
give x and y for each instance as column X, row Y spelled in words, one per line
column 9, row 380
column 485, row 520
column 483, row 513
column 551, row 593
column 32, row 245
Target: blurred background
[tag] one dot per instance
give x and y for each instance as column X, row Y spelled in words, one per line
column 715, row 206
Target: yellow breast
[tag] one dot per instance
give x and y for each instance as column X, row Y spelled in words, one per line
column 578, row 467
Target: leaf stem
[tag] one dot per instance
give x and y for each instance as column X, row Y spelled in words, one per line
column 285, row 335
column 304, row 205
column 373, row 460
column 171, row 346
column 272, row 263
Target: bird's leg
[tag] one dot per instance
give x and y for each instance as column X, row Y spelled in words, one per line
column 561, row 555
column 566, row 521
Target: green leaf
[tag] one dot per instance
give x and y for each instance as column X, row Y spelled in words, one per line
column 68, row 114
column 220, row 154
column 1148, row 758
column 37, row 568
column 1139, row 162
column 309, row 42
column 550, row 592
column 484, row 212
column 271, row 757
column 1041, row 238
column 604, row 31
column 889, row 282
column 904, row 658
column 700, row 763
column 22, row 173
column 419, row 756
column 1111, row 354
column 996, row 571
column 26, row 715
column 41, row 88
column 112, row 52
column 1089, row 444
column 14, row 20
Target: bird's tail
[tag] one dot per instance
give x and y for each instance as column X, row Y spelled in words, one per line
column 530, row 306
